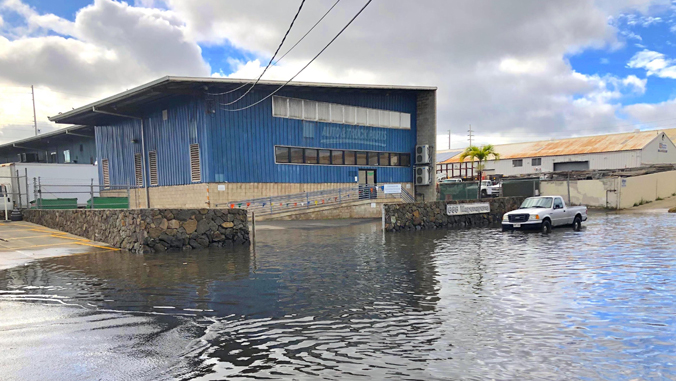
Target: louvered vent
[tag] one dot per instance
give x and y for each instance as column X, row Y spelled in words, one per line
column 195, row 171
column 106, row 173
column 152, row 162
column 138, row 169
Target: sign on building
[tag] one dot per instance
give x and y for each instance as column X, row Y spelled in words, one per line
column 662, row 148
column 392, row 188
column 460, row 209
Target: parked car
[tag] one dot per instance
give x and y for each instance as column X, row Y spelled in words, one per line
column 543, row 213
column 489, row 189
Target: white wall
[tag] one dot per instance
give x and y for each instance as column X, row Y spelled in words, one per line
column 57, row 180
column 604, row 160
column 659, row 151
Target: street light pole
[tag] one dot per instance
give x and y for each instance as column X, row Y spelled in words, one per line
column 35, row 119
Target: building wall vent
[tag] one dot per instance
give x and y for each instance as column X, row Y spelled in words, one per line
column 138, row 169
column 422, row 175
column 106, row 173
column 165, row 115
column 422, row 154
column 152, row 163
column 195, row 169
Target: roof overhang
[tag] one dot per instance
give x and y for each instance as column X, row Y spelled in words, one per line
column 131, row 102
column 40, row 141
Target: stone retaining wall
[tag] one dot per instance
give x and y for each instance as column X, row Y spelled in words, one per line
column 432, row 215
column 147, row 230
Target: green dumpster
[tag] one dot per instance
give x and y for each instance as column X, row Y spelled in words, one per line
column 109, row 203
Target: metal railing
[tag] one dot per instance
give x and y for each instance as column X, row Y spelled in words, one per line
column 316, row 199
column 58, row 195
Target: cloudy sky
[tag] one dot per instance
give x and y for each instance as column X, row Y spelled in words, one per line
column 515, row 70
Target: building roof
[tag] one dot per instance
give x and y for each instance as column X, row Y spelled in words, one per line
column 41, row 139
column 130, row 101
column 445, row 155
column 629, row 141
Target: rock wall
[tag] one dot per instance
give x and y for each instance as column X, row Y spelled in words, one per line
column 147, row 230
column 432, row 215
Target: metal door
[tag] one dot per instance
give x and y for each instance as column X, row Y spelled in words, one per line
column 367, row 183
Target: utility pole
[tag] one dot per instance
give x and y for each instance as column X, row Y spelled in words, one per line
column 35, row 119
column 449, row 140
column 470, row 135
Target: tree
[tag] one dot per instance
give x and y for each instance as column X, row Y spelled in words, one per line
column 480, row 154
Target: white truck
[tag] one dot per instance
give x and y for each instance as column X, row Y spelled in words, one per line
column 488, row 189
column 56, row 180
column 543, row 213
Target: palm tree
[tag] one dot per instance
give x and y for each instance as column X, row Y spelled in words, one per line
column 480, row 154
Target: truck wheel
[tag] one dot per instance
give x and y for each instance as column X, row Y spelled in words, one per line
column 484, row 193
column 577, row 223
column 546, row 227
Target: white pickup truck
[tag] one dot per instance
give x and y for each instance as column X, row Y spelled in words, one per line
column 488, row 189
column 543, row 213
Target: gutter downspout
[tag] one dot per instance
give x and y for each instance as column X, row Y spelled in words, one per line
column 143, row 147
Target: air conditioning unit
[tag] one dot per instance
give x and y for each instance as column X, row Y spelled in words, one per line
column 422, row 175
column 422, row 154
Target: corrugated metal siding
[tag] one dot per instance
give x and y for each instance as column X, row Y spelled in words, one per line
column 170, row 138
column 242, row 143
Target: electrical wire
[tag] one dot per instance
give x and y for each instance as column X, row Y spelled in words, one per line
column 288, row 51
column 273, row 56
column 304, row 67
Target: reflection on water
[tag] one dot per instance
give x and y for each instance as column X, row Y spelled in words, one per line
column 348, row 301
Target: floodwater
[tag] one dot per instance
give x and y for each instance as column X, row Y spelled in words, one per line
column 349, row 302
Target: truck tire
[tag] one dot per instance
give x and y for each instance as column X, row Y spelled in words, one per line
column 484, row 193
column 546, row 227
column 577, row 223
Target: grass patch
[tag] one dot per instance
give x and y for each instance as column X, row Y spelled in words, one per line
column 659, row 199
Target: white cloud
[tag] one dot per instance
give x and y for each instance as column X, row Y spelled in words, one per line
column 636, row 83
column 654, row 63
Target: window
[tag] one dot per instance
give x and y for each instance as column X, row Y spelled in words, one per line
column 311, row 156
column 106, row 172
column 361, row 158
column 517, row 163
column 138, row 169
column 536, row 162
column 66, row 156
column 152, row 163
column 195, row 168
column 297, row 155
column 384, row 158
column 337, row 113
column 295, row 108
column 394, row 159
column 337, row 158
column 53, row 158
column 373, row 158
column 324, row 156
column 282, row 155
column 405, row 160
column 350, row 158
column 558, row 203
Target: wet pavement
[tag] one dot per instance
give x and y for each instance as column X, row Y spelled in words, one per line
column 346, row 301
column 22, row 242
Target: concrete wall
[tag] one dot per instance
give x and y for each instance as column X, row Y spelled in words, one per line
column 146, row 230
column 427, row 134
column 205, row 195
column 633, row 190
column 594, row 193
column 432, row 215
column 615, row 193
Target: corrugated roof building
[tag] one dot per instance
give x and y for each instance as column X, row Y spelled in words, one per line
column 612, row 151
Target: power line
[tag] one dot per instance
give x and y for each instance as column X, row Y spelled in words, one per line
column 288, row 51
column 308, row 64
column 273, row 56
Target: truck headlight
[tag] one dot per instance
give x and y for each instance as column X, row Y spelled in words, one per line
column 505, row 218
column 535, row 216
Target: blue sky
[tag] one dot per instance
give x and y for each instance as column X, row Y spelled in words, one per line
column 570, row 68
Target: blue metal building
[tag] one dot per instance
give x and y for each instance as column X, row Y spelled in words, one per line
column 74, row 144
column 179, row 131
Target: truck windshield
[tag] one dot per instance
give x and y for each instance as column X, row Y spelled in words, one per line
column 537, row 202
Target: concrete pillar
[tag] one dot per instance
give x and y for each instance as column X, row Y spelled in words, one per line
column 426, row 124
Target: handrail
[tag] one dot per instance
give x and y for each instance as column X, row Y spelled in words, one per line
column 315, row 199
